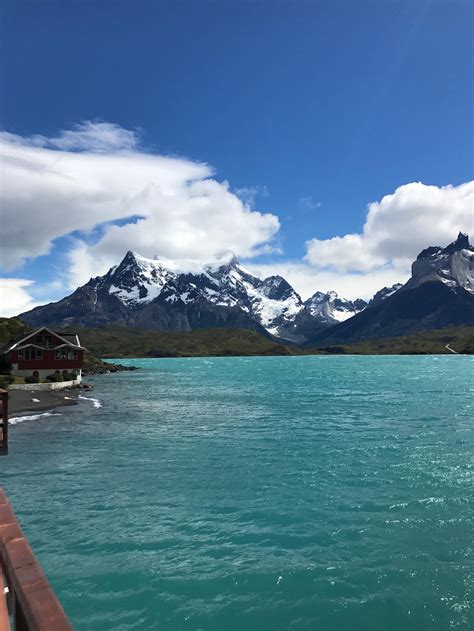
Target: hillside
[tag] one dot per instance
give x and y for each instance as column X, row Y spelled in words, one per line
column 11, row 328
column 460, row 339
column 120, row 342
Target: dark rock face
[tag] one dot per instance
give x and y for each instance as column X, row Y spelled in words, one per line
column 461, row 243
column 439, row 294
column 384, row 293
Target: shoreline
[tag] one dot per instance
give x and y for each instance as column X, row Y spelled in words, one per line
column 22, row 401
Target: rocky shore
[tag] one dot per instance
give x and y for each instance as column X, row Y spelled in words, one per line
column 108, row 368
column 99, row 367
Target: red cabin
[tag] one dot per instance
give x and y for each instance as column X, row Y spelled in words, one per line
column 44, row 352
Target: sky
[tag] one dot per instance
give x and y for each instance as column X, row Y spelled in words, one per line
column 327, row 141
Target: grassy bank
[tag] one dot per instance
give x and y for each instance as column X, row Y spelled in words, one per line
column 121, row 342
column 460, row 339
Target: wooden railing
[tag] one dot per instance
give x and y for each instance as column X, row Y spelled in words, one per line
column 29, row 602
column 3, row 423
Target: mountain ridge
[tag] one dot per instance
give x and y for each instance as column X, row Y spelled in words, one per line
column 163, row 295
column 439, row 294
column 143, row 293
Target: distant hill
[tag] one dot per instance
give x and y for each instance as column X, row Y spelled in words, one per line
column 10, row 328
column 125, row 342
column 120, row 342
column 460, row 339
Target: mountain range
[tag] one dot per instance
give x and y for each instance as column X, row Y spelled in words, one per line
column 164, row 296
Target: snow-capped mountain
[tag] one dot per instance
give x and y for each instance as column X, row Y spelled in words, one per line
column 330, row 309
column 272, row 302
column 169, row 296
column 164, row 295
column 440, row 293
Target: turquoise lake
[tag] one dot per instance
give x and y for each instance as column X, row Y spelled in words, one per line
column 254, row 494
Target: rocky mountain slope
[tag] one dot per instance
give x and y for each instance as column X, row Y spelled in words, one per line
column 440, row 293
column 331, row 309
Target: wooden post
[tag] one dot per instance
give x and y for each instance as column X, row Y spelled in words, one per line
column 4, row 423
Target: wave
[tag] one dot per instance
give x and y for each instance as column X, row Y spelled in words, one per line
column 14, row 420
column 95, row 402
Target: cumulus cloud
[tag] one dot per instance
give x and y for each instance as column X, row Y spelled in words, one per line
column 397, row 228
column 395, row 231
column 14, row 296
column 97, row 173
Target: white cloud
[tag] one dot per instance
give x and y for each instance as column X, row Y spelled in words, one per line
column 96, row 174
column 248, row 194
column 97, row 137
column 308, row 202
column 14, row 296
column 397, row 228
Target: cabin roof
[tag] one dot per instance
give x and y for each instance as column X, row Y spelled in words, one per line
column 68, row 339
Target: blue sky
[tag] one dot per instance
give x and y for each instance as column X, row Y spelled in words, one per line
column 309, row 110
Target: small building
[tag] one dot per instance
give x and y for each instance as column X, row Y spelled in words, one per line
column 44, row 352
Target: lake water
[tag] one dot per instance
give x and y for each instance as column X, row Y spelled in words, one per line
column 255, row 494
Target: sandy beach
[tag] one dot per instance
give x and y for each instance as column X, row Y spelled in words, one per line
column 39, row 401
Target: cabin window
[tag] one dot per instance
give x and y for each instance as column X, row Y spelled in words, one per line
column 44, row 340
column 30, row 353
column 66, row 353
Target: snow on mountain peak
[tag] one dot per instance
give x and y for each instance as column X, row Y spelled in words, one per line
column 223, row 282
column 331, row 309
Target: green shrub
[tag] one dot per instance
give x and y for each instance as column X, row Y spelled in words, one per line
column 5, row 381
column 31, row 379
column 67, row 376
column 54, row 377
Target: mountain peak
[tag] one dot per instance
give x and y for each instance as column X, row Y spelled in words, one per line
column 331, row 309
column 131, row 255
column 461, row 243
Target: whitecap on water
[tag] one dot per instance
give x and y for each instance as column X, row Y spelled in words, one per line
column 95, row 402
column 14, row 420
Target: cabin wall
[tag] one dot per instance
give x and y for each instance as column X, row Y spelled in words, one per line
column 48, row 362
